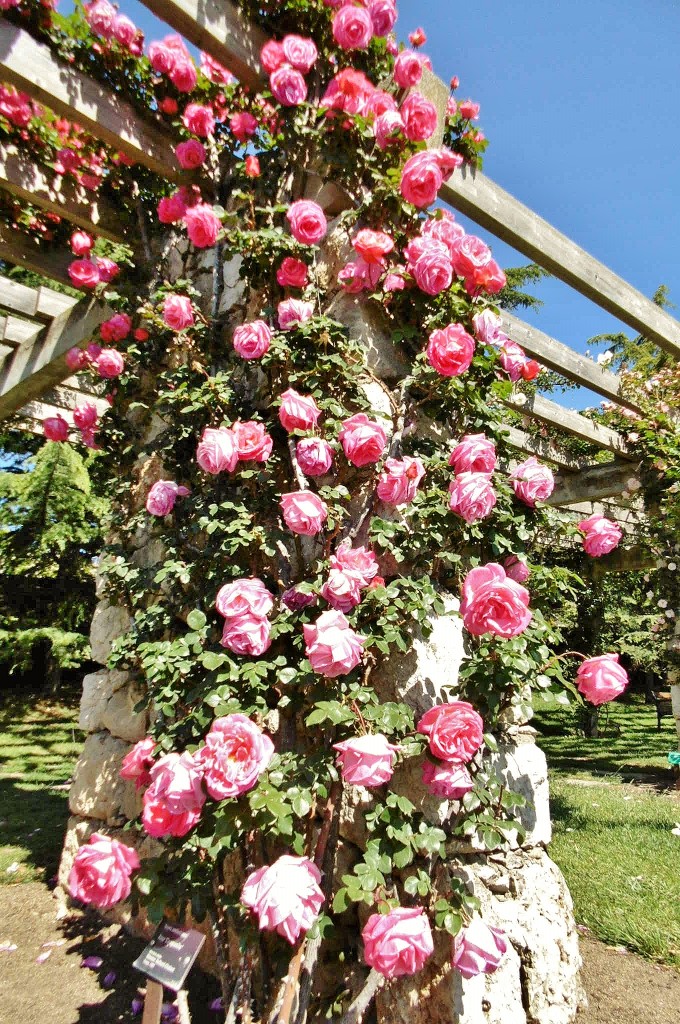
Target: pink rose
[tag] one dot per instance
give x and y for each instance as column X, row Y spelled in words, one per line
column 304, row 512
column 493, row 603
column 172, row 803
column 85, row 415
column 420, row 117
column 516, row 569
column 421, row 179
column 272, row 56
column 300, row 51
column 478, row 949
column 372, row 246
column 417, row 38
column 532, row 481
column 215, row 71
column 76, row 359
column 124, row 31
column 246, row 634
column 366, row 760
column 359, row 561
column 162, row 496
column 342, row 589
column 162, row 56
column 252, row 167
column 399, row 480
column 171, row 208
column 55, row 428
column 358, row 275
column 363, row 440
column 84, row 274
column 253, row 443
column 314, row 455
column 388, row 128
column 349, row 91
column 285, row 896
column 292, row 273
column 203, row 225
column 293, row 312
column 199, row 120
column 601, row 535
column 512, row 358
column 109, row 363
column 307, row 221
column 601, row 679
column 443, row 228
column 252, row 340
column 450, row 780
column 380, row 103
column 288, row 86
column 235, row 754
column 247, row 596
column 298, row 412
column 217, row 451
column 243, row 125
column 474, row 453
column 108, row 269
column 472, row 497
column 455, row 731
column 383, row 16
column 100, row 16
column 101, row 871
column 471, row 255
column 116, row 328
column 468, row 110
column 487, row 328
column 295, row 599
column 332, row 646
column 81, row 243
column 399, row 942
column 432, row 269
column 183, row 76
column 352, row 27
column 450, row 350
column 408, row 69
column 190, row 154
column 136, row 764
column 178, row 313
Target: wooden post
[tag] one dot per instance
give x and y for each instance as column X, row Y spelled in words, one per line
column 153, row 1002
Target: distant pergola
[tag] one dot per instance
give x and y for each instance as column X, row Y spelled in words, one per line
column 40, row 325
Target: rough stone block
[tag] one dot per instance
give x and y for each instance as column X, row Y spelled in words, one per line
column 98, row 790
column 108, row 622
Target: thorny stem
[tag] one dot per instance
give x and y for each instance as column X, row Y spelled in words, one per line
column 358, row 1008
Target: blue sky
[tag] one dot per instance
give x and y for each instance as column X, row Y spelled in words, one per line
column 580, row 104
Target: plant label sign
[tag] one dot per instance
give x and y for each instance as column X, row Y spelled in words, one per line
column 169, row 956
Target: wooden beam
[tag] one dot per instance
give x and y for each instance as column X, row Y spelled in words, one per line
column 609, row 480
column 22, row 177
column 633, row 559
column 544, row 448
column 18, row 298
column 490, row 206
column 628, row 516
column 219, row 28
column 34, row 369
column 67, row 398
column 18, row 332
column 537, row 407
column 22, row 250
column 565, row 360
column 32, row 67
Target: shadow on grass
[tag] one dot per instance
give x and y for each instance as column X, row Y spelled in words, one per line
column 33, row 820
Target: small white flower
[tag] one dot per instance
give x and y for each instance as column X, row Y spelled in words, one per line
column 676, row 831
column 670, row 614
column 650, row 595
column 605, row 357
column 672, row 566
column 663, row 603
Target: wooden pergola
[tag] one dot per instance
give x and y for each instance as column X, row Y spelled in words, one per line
column 39, row 325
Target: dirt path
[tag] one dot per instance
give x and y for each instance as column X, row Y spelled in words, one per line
column 622, row 988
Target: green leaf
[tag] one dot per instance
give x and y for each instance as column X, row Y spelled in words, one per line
column 196, row 619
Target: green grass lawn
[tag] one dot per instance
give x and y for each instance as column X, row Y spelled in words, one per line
column 39, row 746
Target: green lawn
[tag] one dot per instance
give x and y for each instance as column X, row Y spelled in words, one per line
column 39, row 746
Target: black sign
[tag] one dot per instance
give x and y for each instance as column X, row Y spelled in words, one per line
column 170, row 954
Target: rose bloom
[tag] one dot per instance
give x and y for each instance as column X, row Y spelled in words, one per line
column 172, row 803
column 81, row 243
column 356, row 276
column 203, row 225
column 215, row 71
column 172, row 208
column 388, row 128
column 487, row 328
column 493, row 603
column 421, row 179
column 184, row 76
column 417, row 37
column 100, row 16
column 84, row 274
column 85, row 415
column 474, row 453
column 178, row 313
column 399, row 480
column 101, row 870
column 292, row 273
column 293, row 312
column 512, row 358
column 450, row 780
column 381, row 102
column 272, row 55
column 432, row 269
column 109, row 363
column 601, row 535
column 247, row 596
column 199, row 120
column 307, row 221
column 352, row 28
column 478, row 949
column 363, row 440
column 450, row 350
column 516, row 569
column 136, row 764
column 77, row 359
column 124, row 31
column 359, row 561
column 217, row 451
column 472, row 497
column 471, row 255
column 397, row 943
column 314, row 455
column 304, row 512
column 55, row 428
column 162, row 496
column 288, row 86
column 408, row 69
column 235, row 754
column 601, row 679
column 253, row 443
column 332, row 646
column 342, row 589
column 298, row 412
column 366, row 760
column 252, row 167
column 246, row 634
column 116, row 328
column 190, row 154
column 252, row 340
column 108, row 269
column 300, row 51
column 285, row 896
column 420, row 117
column 348, row 91
column 372, row 246
column 455, row 731
column 532, row 481
column 243, row 125
column 295, row 599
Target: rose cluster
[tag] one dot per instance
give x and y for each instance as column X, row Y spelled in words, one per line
column 287, row 62
column 245, row 605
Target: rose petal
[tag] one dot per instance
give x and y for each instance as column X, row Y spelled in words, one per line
column 93, row 962
column 110, row 979
column 43, row 957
